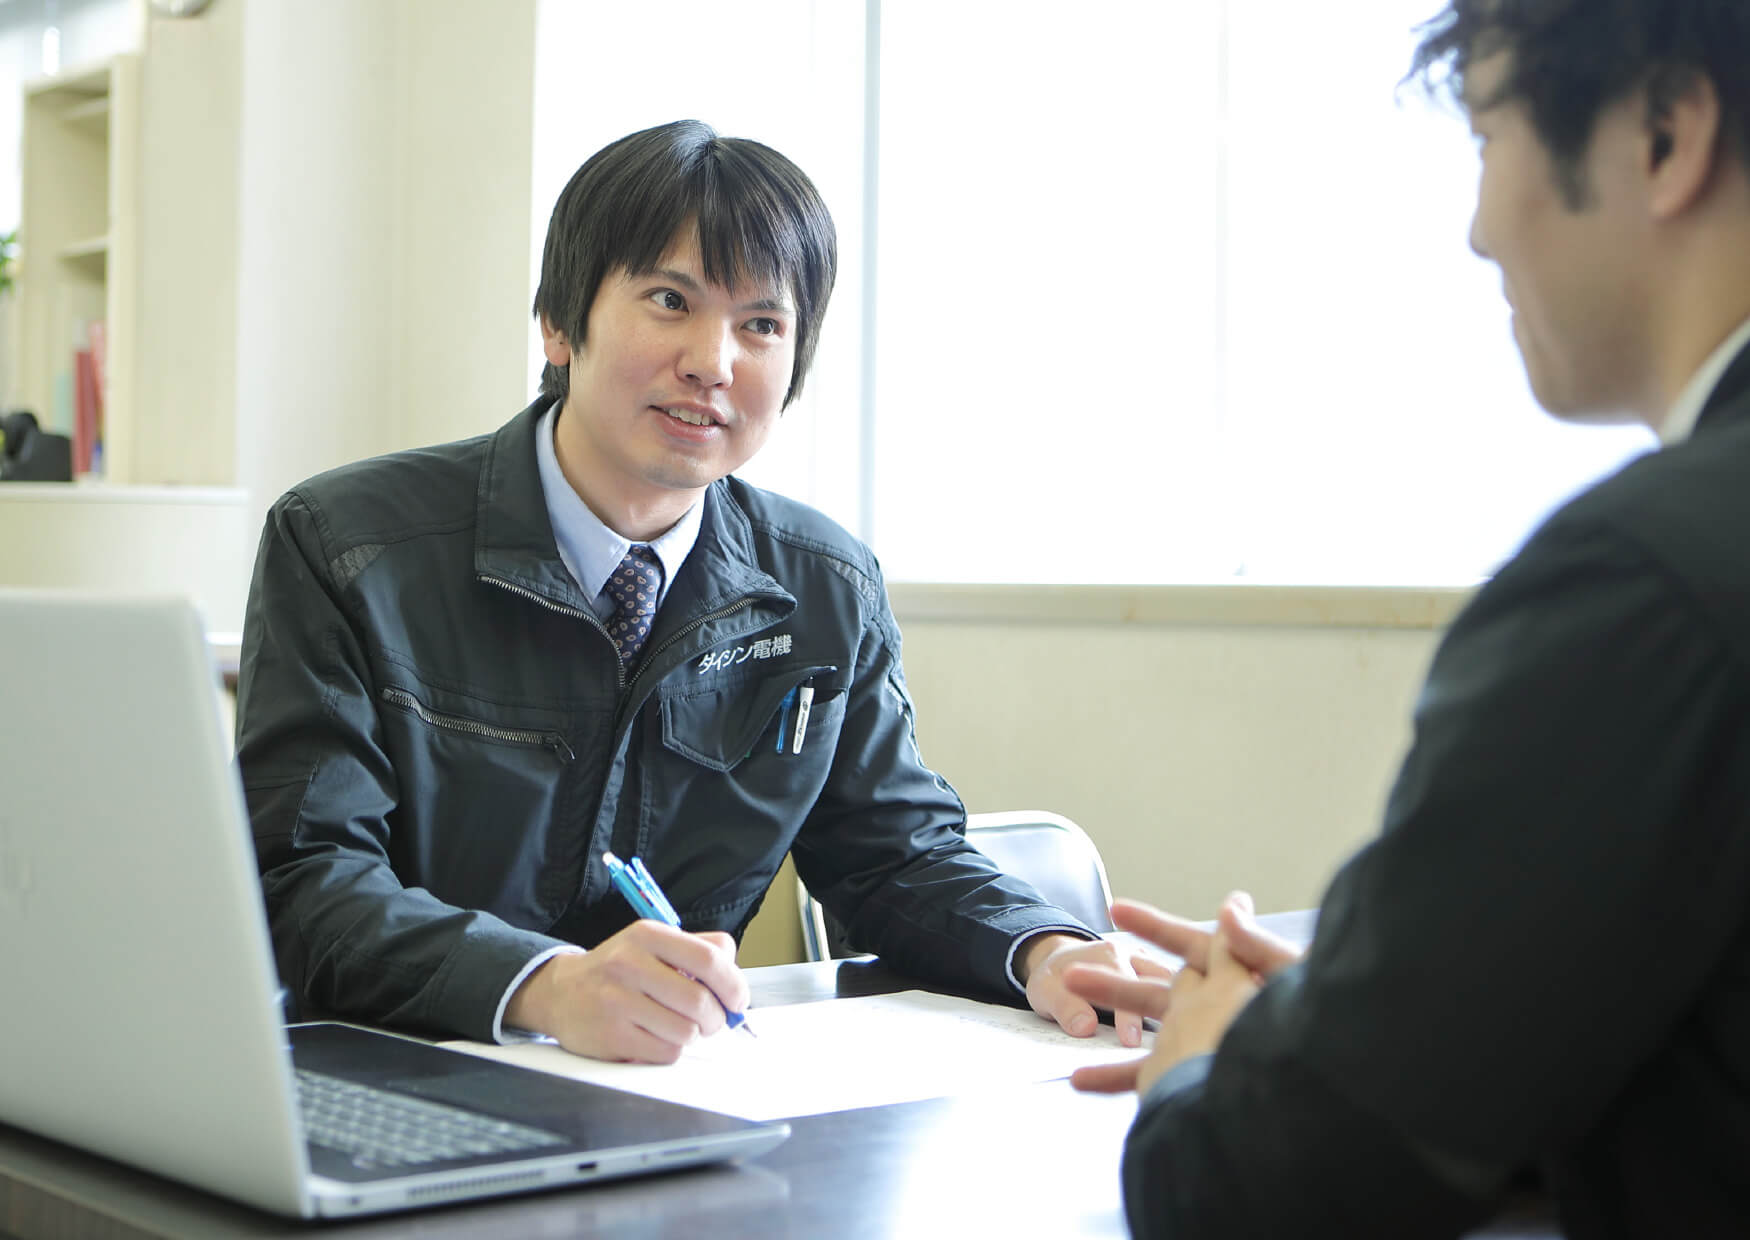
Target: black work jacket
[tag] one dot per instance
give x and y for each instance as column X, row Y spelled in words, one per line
column 437, row 742
column 1544, row 959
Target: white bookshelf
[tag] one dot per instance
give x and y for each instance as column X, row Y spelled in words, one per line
column 78, row 257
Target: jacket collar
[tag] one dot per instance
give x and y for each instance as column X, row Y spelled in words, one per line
column 1730, row 399
column 514, row 543
column 513, row 537
column 724, row 565
column 721, row 580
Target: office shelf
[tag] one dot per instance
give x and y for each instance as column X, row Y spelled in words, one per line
column 91, row 117
column 91, row 247
column 79, row 260
column 90, row 256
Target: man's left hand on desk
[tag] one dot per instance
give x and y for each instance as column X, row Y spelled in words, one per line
column 1044, row 959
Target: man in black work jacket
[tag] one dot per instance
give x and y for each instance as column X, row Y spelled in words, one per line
column 469, row 671
column 1542, row 965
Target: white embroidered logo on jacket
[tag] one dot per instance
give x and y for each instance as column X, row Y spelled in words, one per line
column 764, row 648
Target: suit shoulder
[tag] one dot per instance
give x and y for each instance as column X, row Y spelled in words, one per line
column 1689, row 493
column 1684, row 509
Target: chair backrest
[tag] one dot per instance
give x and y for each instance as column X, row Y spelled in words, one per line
column 1044, row 849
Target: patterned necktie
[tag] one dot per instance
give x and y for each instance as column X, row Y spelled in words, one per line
column 633, row 588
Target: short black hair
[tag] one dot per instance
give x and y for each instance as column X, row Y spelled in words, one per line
column 1568, row 60
column 757, row 215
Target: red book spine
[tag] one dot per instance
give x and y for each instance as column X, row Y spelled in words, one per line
column 84, row 410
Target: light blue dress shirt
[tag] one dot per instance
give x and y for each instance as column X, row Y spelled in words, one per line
column 589, row 549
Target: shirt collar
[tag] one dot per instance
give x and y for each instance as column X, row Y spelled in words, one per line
column 589, row 549
column 1686, row 410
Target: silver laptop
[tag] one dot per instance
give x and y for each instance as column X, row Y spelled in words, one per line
column 139, row 1006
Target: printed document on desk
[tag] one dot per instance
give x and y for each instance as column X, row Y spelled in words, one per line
column 811, row 1058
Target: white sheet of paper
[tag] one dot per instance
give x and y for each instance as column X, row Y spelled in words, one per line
column 811, row 1058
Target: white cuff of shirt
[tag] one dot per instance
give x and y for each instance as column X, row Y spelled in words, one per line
column 500, row 1034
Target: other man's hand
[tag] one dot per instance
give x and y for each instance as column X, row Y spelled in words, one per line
column 1253, row 946
column 1042, row 963
column 1223, row 969
column 642, row 995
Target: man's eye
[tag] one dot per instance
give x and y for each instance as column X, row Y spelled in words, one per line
column 763, row 327
column 668, row 299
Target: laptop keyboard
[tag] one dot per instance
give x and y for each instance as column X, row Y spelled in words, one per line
column 378, row 1127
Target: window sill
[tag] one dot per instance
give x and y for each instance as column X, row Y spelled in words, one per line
column 1285, row 606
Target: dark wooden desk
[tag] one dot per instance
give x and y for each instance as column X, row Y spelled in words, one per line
column 1038, row 1160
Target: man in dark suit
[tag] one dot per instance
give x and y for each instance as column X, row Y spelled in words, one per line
column 1541, row 968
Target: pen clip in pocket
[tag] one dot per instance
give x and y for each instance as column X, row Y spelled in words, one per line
column 724, row 725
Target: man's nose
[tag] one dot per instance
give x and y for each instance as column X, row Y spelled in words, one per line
column 708, row 355
column 1477, row 245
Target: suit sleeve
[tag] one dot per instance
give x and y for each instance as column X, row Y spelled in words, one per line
column 884, row 848
column 1559, row 874
column 349, row 938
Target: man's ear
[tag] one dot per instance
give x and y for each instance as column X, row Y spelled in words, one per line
column 1683, row 146
column 554, row 343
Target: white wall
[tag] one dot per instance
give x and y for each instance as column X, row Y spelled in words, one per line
column 463, row 216
column 383, row 228
column 1200, row 757
column 129, row 540
column 185, row 293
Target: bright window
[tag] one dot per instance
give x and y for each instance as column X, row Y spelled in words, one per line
column 1160, row 292
column 1379, row 421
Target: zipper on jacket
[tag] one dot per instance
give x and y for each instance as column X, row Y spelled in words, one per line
column 458, row 723
column 562, row 609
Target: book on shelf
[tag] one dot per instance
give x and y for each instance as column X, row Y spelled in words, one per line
column 84, row 412
column 88, row 401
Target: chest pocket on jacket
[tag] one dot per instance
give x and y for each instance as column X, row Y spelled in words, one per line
column 721, row 727
column 734, row 802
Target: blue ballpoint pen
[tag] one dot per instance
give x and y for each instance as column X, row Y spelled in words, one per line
column 652, row 892
column 634, row 882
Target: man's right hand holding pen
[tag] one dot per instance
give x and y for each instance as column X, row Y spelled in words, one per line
column 640, row 996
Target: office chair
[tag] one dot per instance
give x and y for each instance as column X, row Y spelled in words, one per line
column 1044, row 849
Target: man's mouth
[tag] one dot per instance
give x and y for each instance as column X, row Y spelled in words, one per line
column 692, row 417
